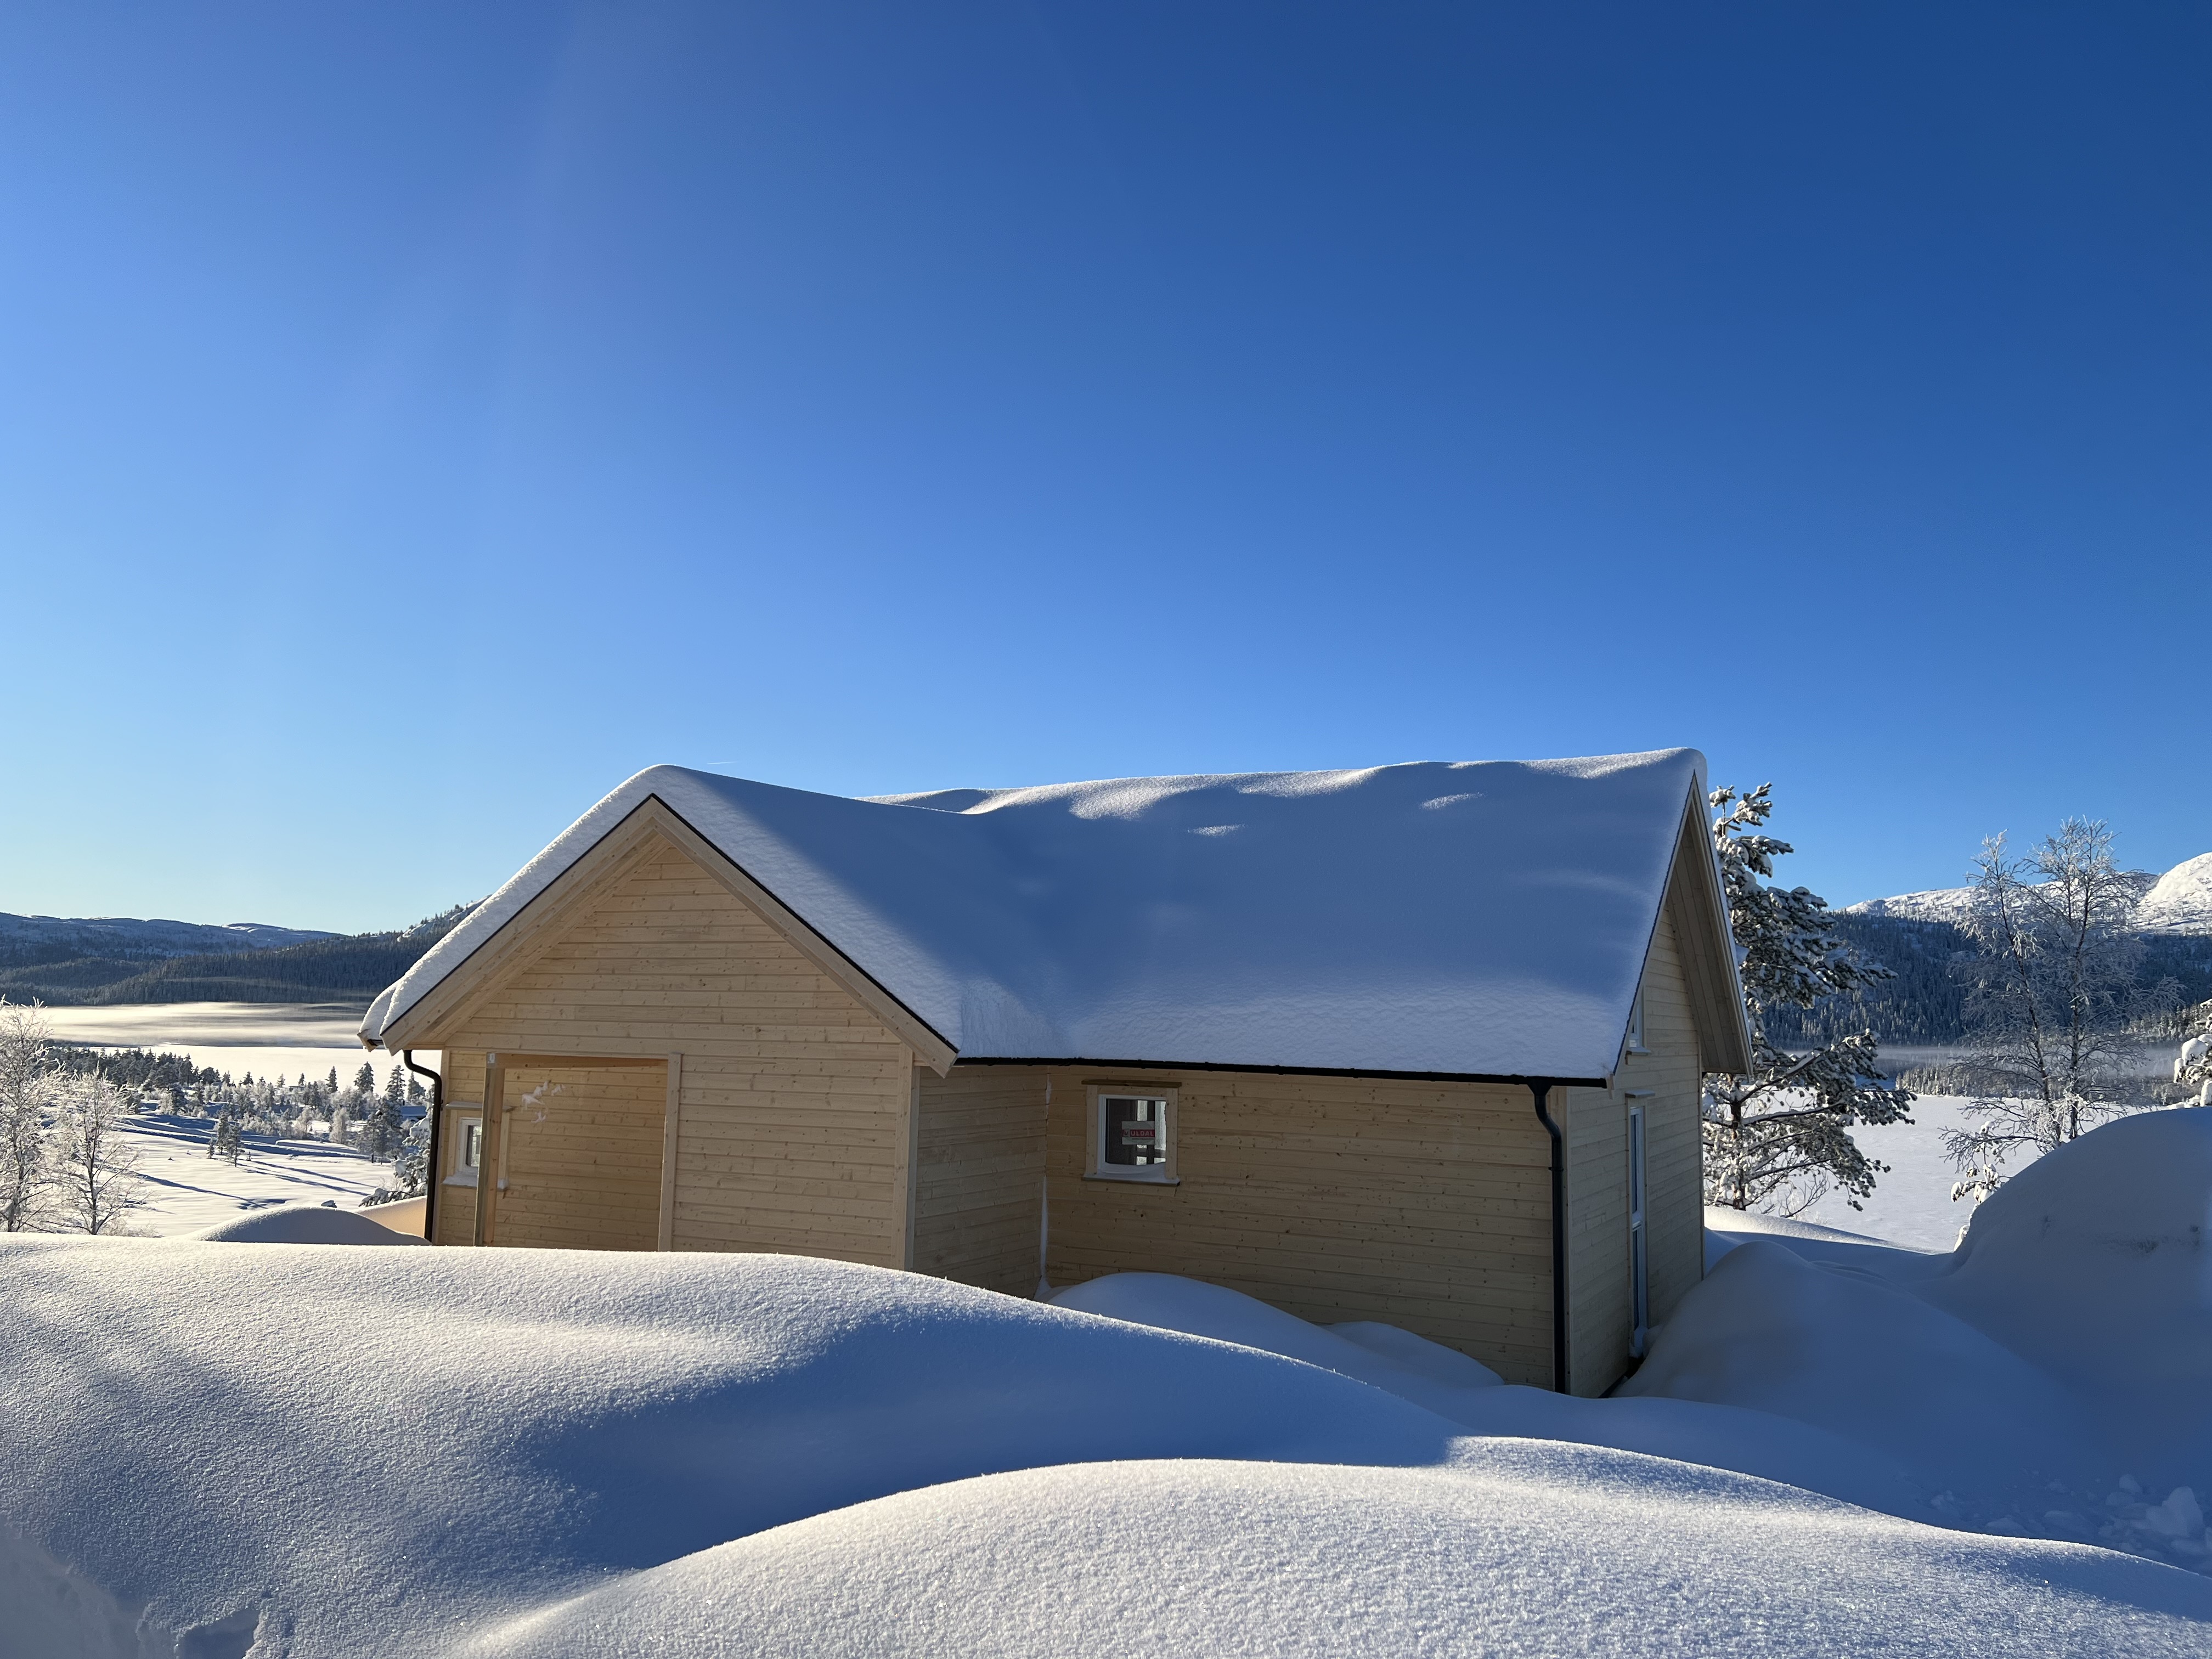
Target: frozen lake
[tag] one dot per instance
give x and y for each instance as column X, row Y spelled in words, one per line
column 268, row 1039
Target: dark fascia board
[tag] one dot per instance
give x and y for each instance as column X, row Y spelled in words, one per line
column 1513, row 1078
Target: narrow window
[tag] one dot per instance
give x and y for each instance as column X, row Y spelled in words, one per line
column 1639, row 1255
column 1131, row 1134
column 468, row 1151
column 1636, row 1024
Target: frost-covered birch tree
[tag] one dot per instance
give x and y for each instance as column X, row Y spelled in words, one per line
column 2049, row 987
column 1777, row 1138
column 95, row 1166
column 27, row 1081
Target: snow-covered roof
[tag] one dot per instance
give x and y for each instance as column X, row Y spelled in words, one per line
column 1470, row 918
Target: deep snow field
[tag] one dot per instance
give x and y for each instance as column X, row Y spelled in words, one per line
column 186, row 1190
column 219, row 1448
column 1911, row 1203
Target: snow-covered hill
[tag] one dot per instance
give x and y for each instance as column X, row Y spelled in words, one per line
column 2179, row 901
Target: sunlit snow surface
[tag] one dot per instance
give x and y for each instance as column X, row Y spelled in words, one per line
column 1481, row 917
column 186, row 1189
column 321, row 1450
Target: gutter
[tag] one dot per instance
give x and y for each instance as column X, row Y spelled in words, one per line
column 1541, row 1090
column 433, row 1170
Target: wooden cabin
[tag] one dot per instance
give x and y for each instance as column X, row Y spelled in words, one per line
column 1306, row 1034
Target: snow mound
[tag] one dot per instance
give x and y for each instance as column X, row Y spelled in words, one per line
column 1470, row 1394
column 2095, row 1262
column 1427, row 1373
column 2050, row 1374
column 1521, row 1550
column 304, row 1223
column 1865, row 1360
column 381, row 1448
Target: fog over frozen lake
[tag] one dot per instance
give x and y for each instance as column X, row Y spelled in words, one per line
column 265, row 1038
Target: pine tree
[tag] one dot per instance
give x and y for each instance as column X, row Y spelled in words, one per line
column 227, row 1142
column 410, row 1170
column 1779, row 1137
column 2049, row 989
column 28, row 1083
column 388, row 1122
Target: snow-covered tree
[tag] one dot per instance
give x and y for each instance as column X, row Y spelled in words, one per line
column 2050, row 988
column 27, row 1081
column 387, row 1123
column 2194, row 1063
column 1777, row 1137
column 228, row 1141
column 410, row 1170
column 96, row 1165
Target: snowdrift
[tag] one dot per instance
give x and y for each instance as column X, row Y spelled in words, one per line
column 1524, row 1549
column 305, row 1224
column 377, row 1449
column 1719, row 1436
column 296, row 1450
column 2046, row 1377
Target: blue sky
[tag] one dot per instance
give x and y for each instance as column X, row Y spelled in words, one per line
column 418, row 417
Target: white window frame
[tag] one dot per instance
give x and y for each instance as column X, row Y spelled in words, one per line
column 1163, row 1174
column 1640, row 1238
column 462, row 1173
column 1636, row 1024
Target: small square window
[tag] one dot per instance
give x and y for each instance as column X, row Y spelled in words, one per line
column 1132, row 1134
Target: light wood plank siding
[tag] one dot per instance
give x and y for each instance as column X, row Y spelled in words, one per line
column 1426, row 1205
column 579, row 1153
column 795, row 1105
column 1674, row 1197
column 1596, row 1126
column 982, row 1164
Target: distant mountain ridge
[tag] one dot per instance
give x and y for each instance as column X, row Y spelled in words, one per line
column 48, row 961
column 25, row 939
column 2177, row 902
column 1921, row 938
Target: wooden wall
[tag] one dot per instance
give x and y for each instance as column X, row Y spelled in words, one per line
column 1675, row 1195
column 796, row 1101
column 1424, row 1204
column 980, row 1180
column 456, row 1216
column 1596, row 1127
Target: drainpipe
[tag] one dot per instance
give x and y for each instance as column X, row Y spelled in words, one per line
column 1559, row 1237
column 432, row 1170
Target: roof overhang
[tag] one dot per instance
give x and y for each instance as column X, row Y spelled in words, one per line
column 652, row 823
column 1696, row 904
